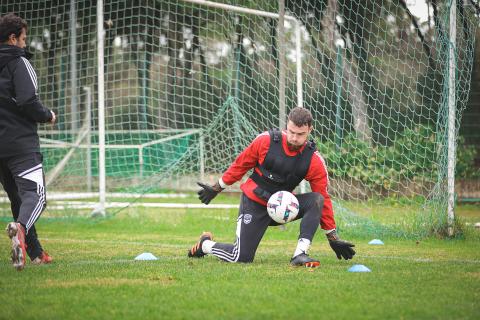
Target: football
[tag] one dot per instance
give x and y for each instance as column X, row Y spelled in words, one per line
column 282, row 207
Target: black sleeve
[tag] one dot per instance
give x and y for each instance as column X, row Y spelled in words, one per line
column 26, row 96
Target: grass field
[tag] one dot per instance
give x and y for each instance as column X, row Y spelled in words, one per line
column 94, row 275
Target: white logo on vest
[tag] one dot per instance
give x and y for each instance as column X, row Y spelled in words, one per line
column 247, row 218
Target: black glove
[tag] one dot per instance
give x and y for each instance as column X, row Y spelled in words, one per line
column 207, row 193
column 342, row 248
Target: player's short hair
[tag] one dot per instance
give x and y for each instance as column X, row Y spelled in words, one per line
column 300, row 117
column 11, row 23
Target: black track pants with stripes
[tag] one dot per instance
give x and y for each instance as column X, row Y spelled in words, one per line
column 23, row 180
column 253, row 220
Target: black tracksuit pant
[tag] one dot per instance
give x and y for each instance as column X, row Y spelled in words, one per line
column 23, row 180
column 253, row 220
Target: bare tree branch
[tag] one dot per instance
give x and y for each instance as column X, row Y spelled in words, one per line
column 420, row 35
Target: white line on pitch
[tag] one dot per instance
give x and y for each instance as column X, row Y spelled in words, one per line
column 93, row 205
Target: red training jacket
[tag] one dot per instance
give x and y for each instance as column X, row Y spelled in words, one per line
column 317, row 174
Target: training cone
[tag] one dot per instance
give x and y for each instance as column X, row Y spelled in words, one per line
column 359, row 268
column 376, row 241
column 146, row 256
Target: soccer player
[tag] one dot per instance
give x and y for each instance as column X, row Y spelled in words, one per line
column 281, row 160
column 21, row 172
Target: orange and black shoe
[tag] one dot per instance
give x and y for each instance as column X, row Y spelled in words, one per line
column 44, row 258
column 303, row 260
column 16, row 233
column 196, row 251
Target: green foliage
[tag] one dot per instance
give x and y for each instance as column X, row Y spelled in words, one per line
column 411, row 156
column 466, row 154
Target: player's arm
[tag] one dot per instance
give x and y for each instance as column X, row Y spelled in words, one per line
column 26, row 96
column 318, row 178
column 207, row 192
column 245, row 161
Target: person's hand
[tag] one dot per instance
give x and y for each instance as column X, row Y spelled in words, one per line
column 54, row 118
column 207, row 193
column 343, row 249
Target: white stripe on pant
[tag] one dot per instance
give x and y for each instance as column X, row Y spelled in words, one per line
column 235, row 254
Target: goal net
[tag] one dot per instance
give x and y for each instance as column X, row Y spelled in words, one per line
column 189, row 83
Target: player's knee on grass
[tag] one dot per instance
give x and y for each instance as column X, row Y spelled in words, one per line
column 246, row 258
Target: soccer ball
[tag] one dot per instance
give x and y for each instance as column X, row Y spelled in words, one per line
column 282, row 207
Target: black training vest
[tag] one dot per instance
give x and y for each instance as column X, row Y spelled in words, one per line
column 280, row 171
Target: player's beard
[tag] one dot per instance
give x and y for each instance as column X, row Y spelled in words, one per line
column 294, row 147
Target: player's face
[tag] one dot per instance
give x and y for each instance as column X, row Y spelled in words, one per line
column 297, row 136
column 19, row 41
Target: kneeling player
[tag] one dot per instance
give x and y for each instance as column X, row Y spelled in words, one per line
column 281, row 160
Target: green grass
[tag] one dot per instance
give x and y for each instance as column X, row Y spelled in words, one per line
column 94, row 275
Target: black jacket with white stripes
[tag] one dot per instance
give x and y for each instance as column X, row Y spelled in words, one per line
column 20, row 106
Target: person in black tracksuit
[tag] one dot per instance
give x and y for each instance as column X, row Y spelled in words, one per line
column 21, row 171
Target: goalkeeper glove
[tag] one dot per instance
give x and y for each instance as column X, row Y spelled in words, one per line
column 207, row 193
column 342, row 248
